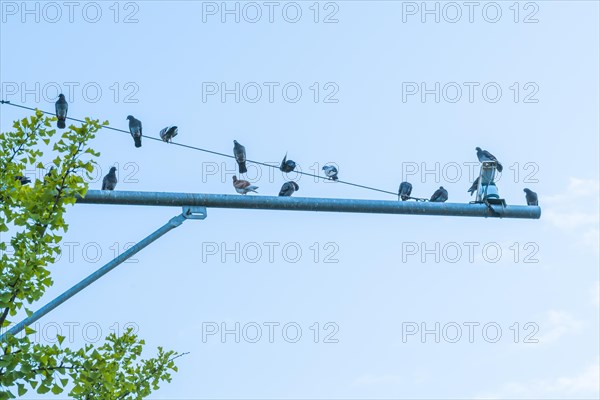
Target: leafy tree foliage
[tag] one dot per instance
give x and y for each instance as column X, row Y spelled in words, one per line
column 32, row 216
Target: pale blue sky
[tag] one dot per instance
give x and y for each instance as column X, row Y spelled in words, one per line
column 376, row 288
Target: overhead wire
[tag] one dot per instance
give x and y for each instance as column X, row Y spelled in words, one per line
column 206, row 150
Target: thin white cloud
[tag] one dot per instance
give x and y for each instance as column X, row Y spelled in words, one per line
column 576, row 190
column 557, row 325
column 585, row 384
column 575, row 211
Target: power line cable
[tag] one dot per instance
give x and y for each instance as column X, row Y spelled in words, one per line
column 206, row 150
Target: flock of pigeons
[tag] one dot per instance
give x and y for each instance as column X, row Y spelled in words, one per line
column 243, row 187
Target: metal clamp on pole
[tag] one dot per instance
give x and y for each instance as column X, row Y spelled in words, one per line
column 194, row 212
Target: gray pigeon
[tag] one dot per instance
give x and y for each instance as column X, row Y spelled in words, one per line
column 239, row 152
column 110, row 180
column 531, row 197
column 23, row 180
column 167, row 134
column 135, row 128
column 287, row 165
column 404, row 191
column 331, row 172
column 289, row 188
column 61, row 108
column 440, row 195
column 474, row 186
column 484, row 155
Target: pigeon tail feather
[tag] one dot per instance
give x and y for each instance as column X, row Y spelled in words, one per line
column 138, row 141
column 242, row 168
column 61, row 124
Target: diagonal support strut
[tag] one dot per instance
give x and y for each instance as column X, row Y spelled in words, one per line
column 189, row 212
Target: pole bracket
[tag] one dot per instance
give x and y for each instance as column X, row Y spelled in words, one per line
column 194, row 212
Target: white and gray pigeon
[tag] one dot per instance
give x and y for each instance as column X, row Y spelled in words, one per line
column 531, row 197
column 331, row 172
column 474, row 186
column 167, row 134
column 404, row 191
column 287, row 165
column 61, row 106
column 110, row 180
column 135, row 128
column 242, row 187
column 239, row 152
column 289, row 188
column 439, row 196
column 484, row 155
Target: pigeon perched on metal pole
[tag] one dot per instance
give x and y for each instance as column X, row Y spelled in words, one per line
column 404, row 191
column 484, row 155
column 287, row 165
column 110, row 180
column 167, row 134
column 440, row 195
column 61, row 106
column 531, row 197
column 135, row 128
column 331, row 172
column 474, row 186
column 239, row 152
column 289, row 188
column 241, row 186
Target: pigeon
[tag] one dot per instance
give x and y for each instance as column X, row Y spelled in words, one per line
column 61, row 106
column 49, row 174
column 440, row 195
column 135, row 128
column 331, row 172
column 239, row 152
column 23, row 180
column 404, row 191
column 484, row 155
column 474, row 186
column 241, row 186
column 289, row 188
column 168, row 133
column 531, row 197
column 110, row 180
column 287, row 165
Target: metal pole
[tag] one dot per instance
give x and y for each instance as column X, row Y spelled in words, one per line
column 308, row 204
column 172, row 224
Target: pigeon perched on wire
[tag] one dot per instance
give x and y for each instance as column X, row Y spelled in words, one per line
column 135, row 128
column 242, row 187
column 110, row 180
column 439, row 196
column 239, row 152
column 289, row 188
column 531, row 197
column 474, row 186
column 23, row 180
column 287, row 165
column 404, row 191
column 61, row 106
column 331, row 172
column 484, row 155
column 167, row 134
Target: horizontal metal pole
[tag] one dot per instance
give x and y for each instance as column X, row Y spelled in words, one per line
column 172, row 224
column 307, row 204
